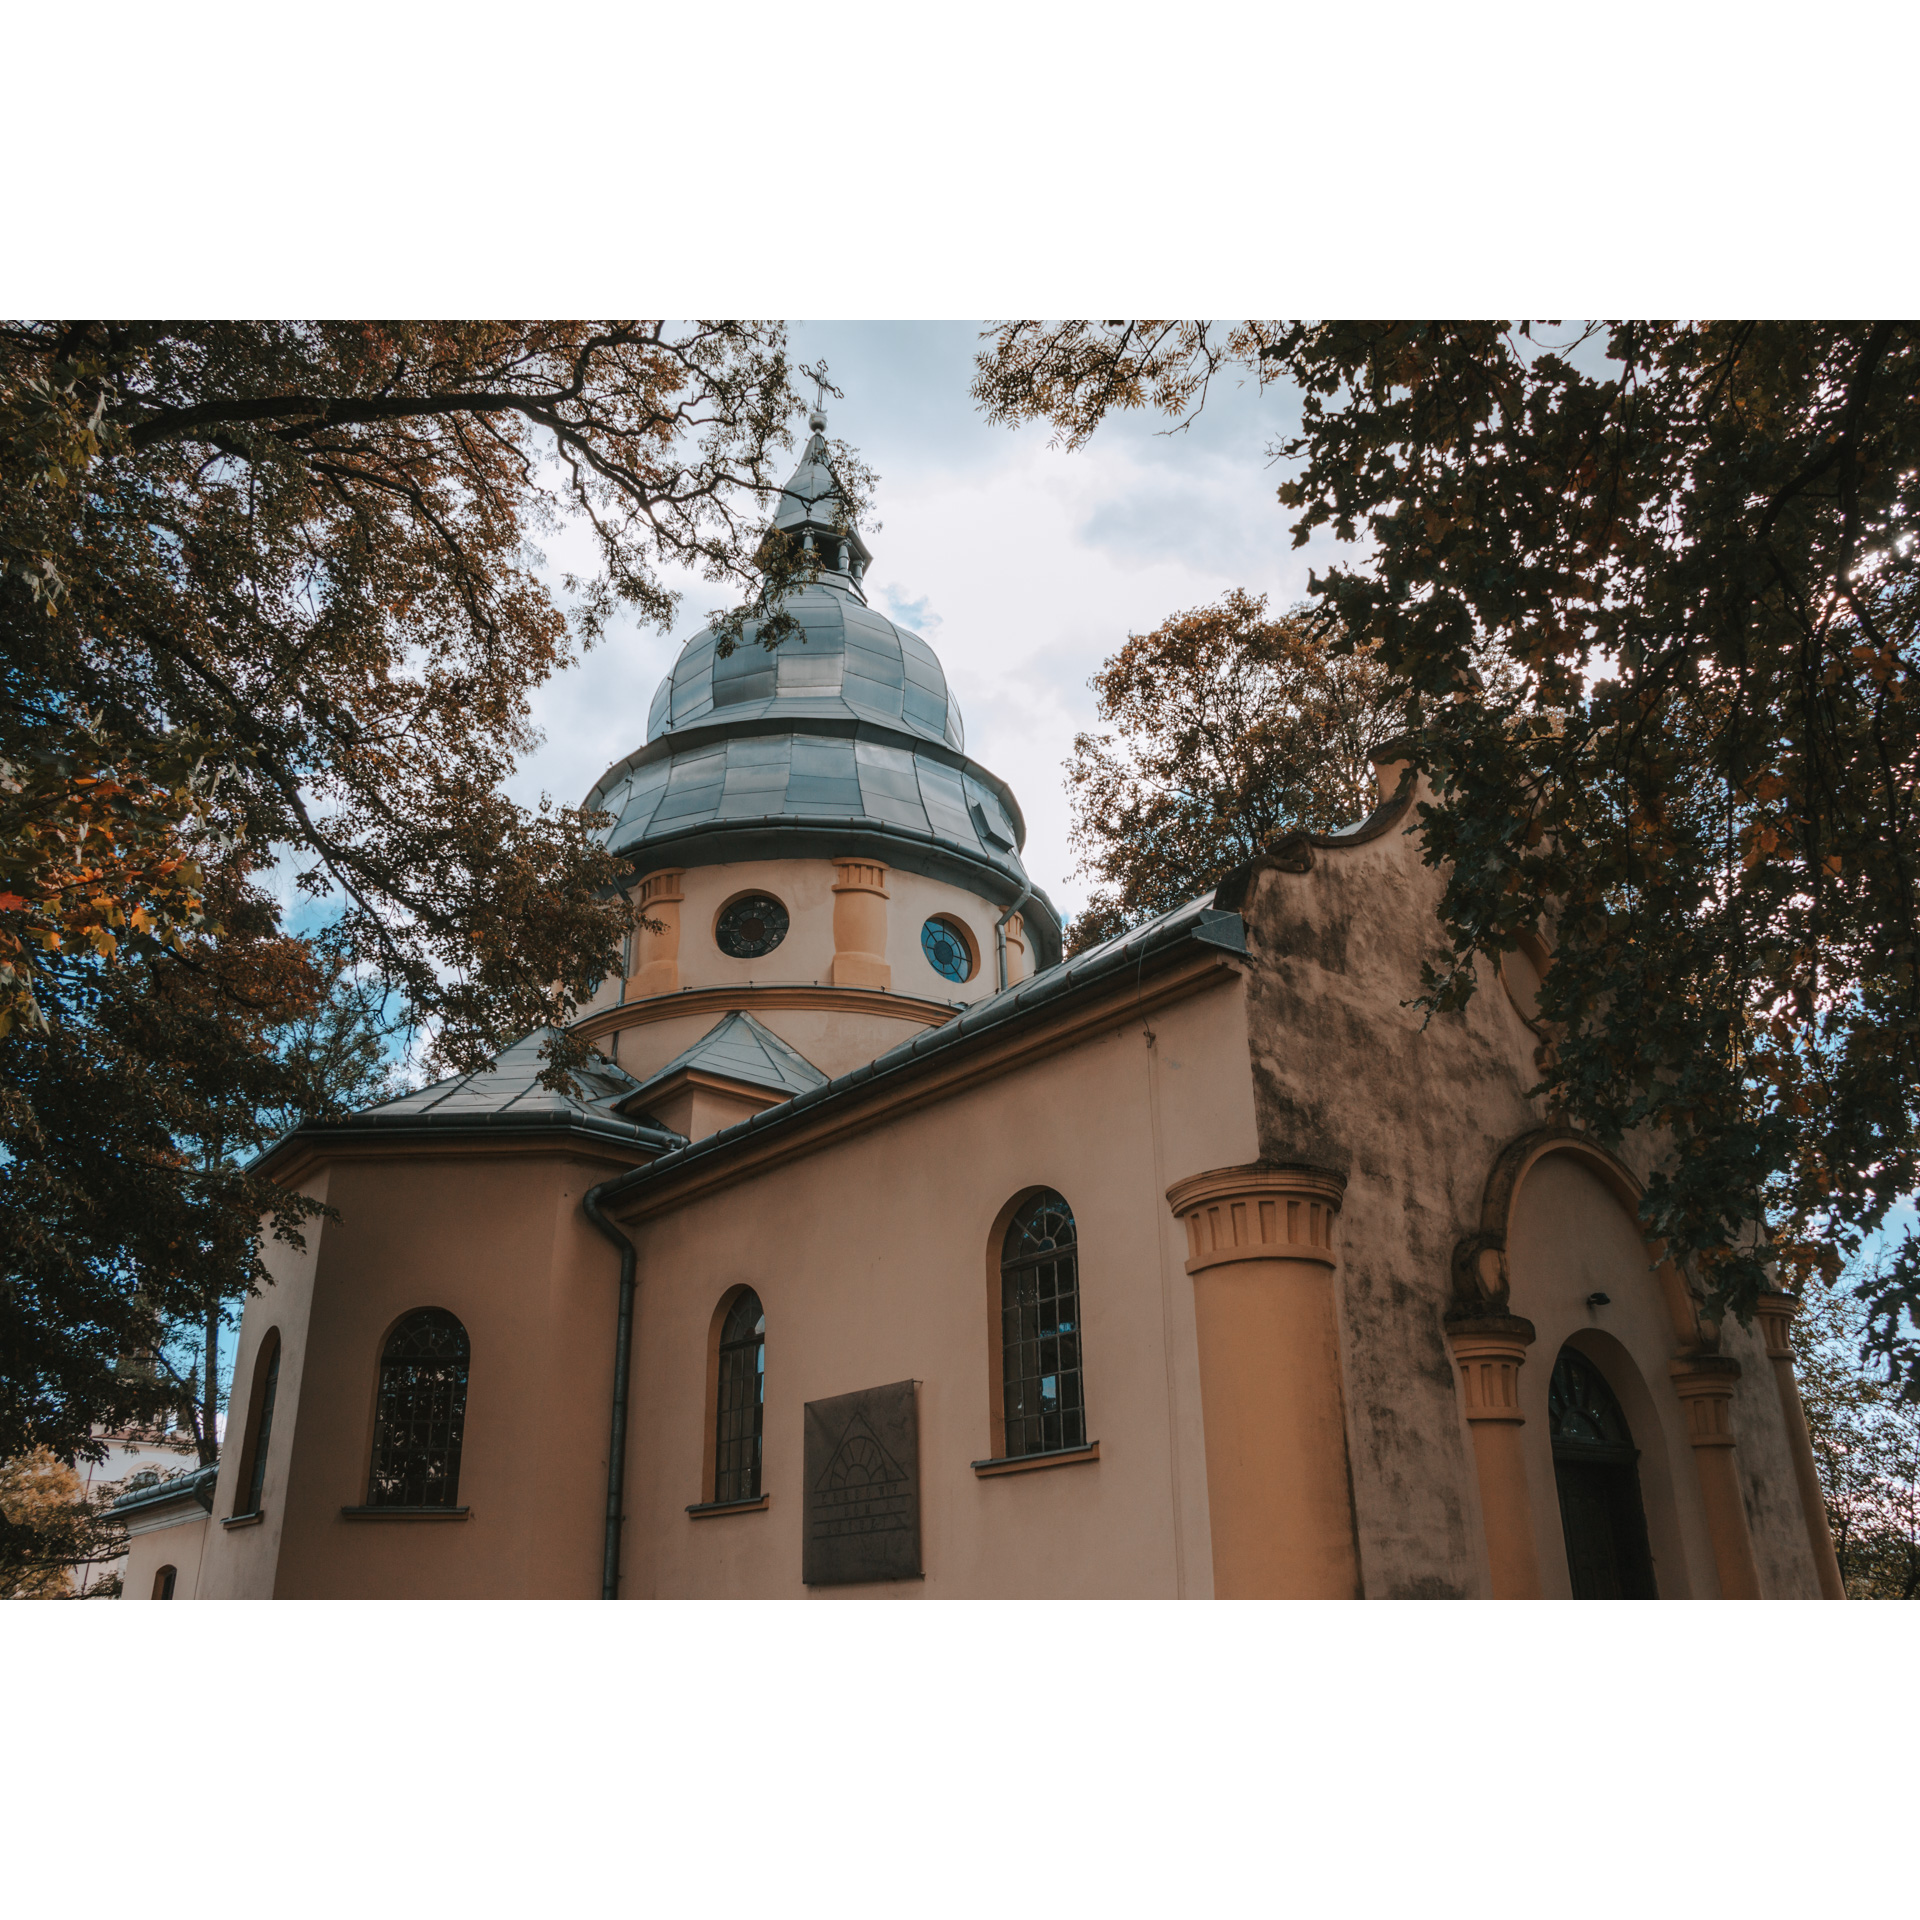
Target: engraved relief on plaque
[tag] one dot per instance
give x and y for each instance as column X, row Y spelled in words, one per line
column 862, row 1461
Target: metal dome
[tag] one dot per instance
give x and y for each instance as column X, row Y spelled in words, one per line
column 843, row 738
column 846, row 661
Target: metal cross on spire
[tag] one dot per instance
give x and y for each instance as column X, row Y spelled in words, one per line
column 817, row 418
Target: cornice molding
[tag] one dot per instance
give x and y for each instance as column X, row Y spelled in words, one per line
column 691, row 1002
column 427, row 1142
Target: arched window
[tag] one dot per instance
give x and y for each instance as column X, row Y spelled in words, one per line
column 1596, row 1468
column 741, row 1401
column 163, row 1580
column 421, row 1413
column 1040, row 1359
column 253, row 1463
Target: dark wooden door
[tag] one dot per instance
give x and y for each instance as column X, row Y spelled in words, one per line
column 1596, row 1468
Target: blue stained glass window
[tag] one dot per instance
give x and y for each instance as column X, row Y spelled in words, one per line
column 946, row 950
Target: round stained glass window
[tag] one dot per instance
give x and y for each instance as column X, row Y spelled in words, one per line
column 754, row 924
column 946, row 950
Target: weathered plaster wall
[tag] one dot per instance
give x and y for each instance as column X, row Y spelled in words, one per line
column 1347, row 1077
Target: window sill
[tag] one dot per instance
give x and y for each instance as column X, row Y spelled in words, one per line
column 1032, row 1462
column 405, row 1513
column 712, row 1509
column 252, row 1519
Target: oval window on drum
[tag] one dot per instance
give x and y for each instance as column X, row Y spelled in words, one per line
column 947, row 951
column 754, row 924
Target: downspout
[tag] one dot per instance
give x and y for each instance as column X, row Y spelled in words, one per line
column 622, row 1364
column 1000, row 933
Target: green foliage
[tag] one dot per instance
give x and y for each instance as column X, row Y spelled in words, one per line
column 1222, row 730
column 1866, row 1445
column 273, row 585
column 48, row 1526
column 1649, row 599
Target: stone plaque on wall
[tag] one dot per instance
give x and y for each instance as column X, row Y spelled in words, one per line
column 862, row 1461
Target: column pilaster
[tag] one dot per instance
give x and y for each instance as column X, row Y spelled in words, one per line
column 860, row 925
column 1705, row 1383
column 1489, row 1351
column 1261, row 1254
column 1776, row 1313
column 657, row 955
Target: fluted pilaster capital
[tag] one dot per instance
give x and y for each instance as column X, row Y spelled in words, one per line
column 1775, row 1312
column 663, row 887
column 1489, row 1350
column 860, row 876
column 1257, row 1213
column 1705, row 1383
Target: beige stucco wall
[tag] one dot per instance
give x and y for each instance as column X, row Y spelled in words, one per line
column 835, row 1039
column 872, row 1260
column 178, row 1541
column 805, row 956
column 1415, row 1115
column 240, row 1561
column 498, row 1239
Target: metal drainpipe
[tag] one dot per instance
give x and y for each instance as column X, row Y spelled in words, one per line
column 622, row 1361
column 1000, row 933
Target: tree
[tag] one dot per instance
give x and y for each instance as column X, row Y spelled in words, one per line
column 1224, row 730
column 126, row 1115
column 1866, row 1445
column 280, row 577
column 48, row 1526
column 272, row 586
column 1694, row 546
column 292, row 1057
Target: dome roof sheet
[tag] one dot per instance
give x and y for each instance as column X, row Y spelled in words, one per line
column 846, row 662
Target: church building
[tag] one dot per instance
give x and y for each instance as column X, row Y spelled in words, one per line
column 886, row 1252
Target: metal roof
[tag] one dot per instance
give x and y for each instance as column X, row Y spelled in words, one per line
column 739, row 1048
column 195, row 1483
column 846, row 661
column 504, row 1097
column 510, row 1085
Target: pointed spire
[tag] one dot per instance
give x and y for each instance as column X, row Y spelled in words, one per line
column 808, row 503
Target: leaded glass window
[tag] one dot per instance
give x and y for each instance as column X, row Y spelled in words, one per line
column 422, row 1413
column 742, row 1401
column 262, row 1431
column 1040, row 1359
column 946, row 949
column 754, row 924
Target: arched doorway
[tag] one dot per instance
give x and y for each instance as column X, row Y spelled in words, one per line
column 1596, row 1469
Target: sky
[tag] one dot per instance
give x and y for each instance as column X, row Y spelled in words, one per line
column 1023, row 566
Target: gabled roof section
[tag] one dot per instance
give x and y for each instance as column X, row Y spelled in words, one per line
column 739, row 1048
column 504, row 1097
column 510, row 1088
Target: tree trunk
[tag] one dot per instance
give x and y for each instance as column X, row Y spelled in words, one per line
column 208, row 1436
